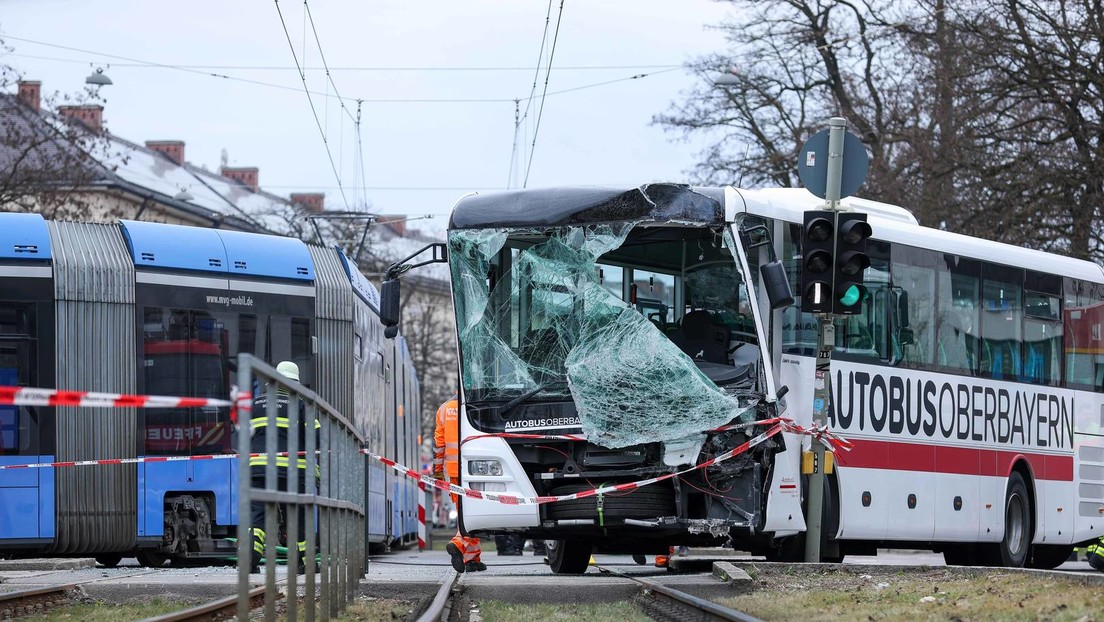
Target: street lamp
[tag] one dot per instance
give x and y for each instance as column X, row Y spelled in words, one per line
column 97, row 78
column 728, row 78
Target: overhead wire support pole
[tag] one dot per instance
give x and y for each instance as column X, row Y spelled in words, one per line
column 826, row 341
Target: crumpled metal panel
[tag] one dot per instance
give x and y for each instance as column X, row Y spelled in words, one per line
column 577, row 206
column 629, row 382
column 96, row 349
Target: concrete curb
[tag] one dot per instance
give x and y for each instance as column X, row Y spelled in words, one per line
column 47, row 564
column 730, row 573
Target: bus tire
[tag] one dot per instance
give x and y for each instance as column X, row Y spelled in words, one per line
column 1019, row 524
column 112, row 560
column 568, row 556
column 1049, row 556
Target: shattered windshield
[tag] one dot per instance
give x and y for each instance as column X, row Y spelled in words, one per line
column 594, row 313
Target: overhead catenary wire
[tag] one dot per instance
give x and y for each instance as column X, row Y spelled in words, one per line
column 298, row 89
column 520, row 119
column 540, row 111
column 314, row 111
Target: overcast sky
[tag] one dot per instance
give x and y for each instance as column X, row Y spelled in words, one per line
column 599, row 135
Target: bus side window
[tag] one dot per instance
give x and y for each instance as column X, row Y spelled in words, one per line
column 1002, row 322
column 867, row 334
column 957, row 296
column 912, row 314
column 1082, row 319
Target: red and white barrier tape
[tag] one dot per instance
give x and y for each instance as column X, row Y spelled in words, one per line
column 144, row 460
column 507, row 499
column 29, row 396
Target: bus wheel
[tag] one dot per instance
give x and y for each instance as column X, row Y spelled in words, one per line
column 110, row 561
column 568, row 556
column 152, row 560
column 1049, row 557
column 1018, row 523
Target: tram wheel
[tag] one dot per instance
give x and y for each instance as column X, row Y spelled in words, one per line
column 568, row 556
column 111, row 561
column 152, row 560
column 1019, row 524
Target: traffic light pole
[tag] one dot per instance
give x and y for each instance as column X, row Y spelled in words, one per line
column 826, row 341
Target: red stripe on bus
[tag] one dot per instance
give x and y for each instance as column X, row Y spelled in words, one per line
column 871, row 454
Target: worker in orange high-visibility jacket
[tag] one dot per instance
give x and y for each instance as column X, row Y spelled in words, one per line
column 464, row 551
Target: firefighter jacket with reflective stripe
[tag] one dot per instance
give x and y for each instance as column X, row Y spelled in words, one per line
column 446, row 439
column 259, row 424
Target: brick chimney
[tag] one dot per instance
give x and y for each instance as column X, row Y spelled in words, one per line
column 311, row 201
column 91, row 115
column 245, row 175
column 30, row 93
column 396, row 223
column 171, row 149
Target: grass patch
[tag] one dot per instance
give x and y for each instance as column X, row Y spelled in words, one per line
column 376, row 610
column 497, row 611
column 935, row 594
column 104, row 612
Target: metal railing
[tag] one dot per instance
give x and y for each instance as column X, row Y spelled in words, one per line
column 334, row 496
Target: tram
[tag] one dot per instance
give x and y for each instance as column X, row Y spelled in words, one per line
column 155, row 309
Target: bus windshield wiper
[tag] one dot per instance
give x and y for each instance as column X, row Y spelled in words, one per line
column 508, row 406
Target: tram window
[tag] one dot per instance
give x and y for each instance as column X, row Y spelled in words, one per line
column 17, row 319
column 912, row 314
column 18, row 424
column 187, row 353
column 1082, row 320
column 1002, row 316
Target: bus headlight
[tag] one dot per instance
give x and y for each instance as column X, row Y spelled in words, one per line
column 484, row 467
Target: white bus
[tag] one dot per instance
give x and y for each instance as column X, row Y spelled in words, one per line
column 643, row 320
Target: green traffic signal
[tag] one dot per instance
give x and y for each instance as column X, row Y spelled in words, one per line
column 851, row 296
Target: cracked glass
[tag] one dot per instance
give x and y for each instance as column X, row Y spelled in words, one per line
column 546, row 312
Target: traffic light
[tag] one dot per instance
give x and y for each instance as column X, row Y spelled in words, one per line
column 817, row 240
column 852, row 232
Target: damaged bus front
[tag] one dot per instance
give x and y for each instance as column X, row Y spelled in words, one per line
column 630, row 323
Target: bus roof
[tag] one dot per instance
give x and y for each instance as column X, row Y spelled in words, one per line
column 585, row 205
column 890, row 223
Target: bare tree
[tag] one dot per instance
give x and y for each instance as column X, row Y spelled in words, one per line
column 1043, row 60
column 980, row 115
column 48, row 162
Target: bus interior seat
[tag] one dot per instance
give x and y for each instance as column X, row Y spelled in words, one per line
column 701, row 339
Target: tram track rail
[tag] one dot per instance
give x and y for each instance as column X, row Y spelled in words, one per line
column 441, row 605
column 658, row 601
column 661, row 602
column 221, row 609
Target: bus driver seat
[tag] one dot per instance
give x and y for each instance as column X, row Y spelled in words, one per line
column 701, row 339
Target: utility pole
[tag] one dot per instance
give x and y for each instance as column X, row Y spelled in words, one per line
column 834, row 257
column 826, row 340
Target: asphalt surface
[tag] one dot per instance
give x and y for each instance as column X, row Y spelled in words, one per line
column 407, row 575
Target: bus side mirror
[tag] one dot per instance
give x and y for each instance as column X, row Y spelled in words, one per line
column 389, row 307
column 778, row 286
column 905, row 335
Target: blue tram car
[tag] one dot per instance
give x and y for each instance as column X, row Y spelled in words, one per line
column 138, row 307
